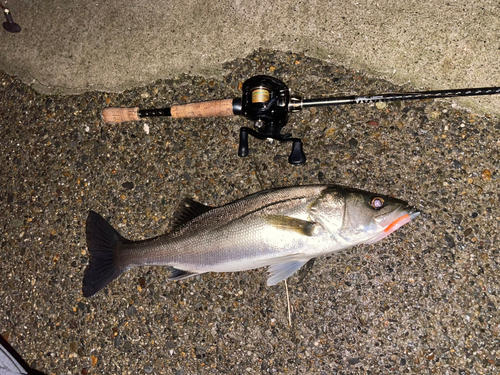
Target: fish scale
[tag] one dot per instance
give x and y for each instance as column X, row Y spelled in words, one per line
column 225, row 234
column 282, row 228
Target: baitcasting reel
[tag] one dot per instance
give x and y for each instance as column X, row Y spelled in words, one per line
column 267, row 101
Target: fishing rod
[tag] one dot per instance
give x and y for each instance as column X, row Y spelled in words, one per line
column 268, row 102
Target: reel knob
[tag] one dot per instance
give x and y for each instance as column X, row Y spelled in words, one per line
column 297, row 156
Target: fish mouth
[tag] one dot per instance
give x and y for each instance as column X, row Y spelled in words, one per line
column 394, row 221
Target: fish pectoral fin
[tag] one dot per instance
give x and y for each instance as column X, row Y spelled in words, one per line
column 177, row 274
column 282, row 271
column 303, row 227
column 188, row 209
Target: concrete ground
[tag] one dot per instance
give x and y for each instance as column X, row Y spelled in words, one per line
column 424, row 300
column 73, row 46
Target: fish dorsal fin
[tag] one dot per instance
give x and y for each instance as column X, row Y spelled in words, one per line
column 282, row 271
column 303, row 227
column 188, row 209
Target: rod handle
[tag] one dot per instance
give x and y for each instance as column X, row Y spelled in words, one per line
column 211, row 108
column 114, row 115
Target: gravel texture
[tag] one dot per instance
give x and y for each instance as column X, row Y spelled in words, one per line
column 424, row 300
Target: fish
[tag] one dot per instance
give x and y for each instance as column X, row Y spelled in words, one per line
column 282, row 228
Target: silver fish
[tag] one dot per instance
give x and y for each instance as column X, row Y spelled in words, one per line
column 281, row 228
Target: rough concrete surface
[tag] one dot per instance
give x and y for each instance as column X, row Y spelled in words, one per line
column 73, row 46
column 424, row 300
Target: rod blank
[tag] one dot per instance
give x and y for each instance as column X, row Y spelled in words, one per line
column 400, row 96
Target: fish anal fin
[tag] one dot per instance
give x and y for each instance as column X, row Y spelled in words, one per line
column 188, row 209
column 177, row 274
column 282, row 271
column 300, row 226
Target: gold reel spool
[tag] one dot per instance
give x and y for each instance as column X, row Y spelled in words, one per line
column 260, row 95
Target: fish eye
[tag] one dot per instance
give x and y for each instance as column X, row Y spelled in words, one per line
column 377, row 202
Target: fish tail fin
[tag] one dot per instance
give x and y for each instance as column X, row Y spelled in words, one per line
column 103, row 241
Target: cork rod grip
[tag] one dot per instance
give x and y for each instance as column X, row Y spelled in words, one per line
column 113, row 115
column 212, row 108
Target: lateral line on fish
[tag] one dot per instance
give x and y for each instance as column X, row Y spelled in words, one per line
column 179, row 230
column 270, row 205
